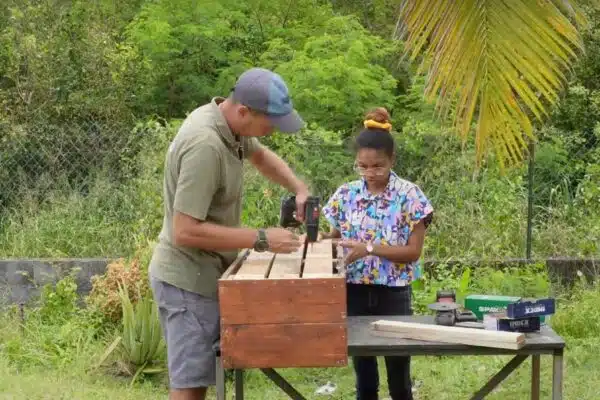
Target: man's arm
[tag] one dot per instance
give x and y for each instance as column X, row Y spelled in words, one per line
column 190, row 232
column 212, row 237
column 275, row 169
column 198, row 181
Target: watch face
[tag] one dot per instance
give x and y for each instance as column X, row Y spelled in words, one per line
column 261, row 246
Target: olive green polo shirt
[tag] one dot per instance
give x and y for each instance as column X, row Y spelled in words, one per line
column 203, row 178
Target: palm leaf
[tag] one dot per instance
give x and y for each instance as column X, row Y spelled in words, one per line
column 499, row 63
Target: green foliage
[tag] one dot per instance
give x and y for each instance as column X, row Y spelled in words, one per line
column 91, row 93
column 344, row 62
column 83, row 149
column 140, row 348
column 55, row 334
column 60, row 302
column 185, row 52
column 577, row 315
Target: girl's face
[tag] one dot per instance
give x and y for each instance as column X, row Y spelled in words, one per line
column 374, row 165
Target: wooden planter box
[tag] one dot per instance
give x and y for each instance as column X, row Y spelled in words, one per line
column 271, row 317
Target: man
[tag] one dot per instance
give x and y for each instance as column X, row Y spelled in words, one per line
column 201, row 236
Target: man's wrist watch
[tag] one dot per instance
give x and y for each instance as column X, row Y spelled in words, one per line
column 369, row 248
column 261, row 243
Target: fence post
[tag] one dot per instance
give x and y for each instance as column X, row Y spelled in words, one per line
column 530, row 199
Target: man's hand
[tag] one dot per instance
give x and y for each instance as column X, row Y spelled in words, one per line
column 276, row 170
column 282, row 241
column 358, row 250
column 301, row 197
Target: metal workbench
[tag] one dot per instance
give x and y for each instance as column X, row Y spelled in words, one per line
column 362, row 342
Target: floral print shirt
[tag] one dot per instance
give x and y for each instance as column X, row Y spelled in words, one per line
column 386, row 218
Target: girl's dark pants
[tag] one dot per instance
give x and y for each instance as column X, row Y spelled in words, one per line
column 380, row 300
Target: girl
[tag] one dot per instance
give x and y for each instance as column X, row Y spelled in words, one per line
column 380, row 220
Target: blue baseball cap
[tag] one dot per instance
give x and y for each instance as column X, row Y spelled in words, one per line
column 265, row 91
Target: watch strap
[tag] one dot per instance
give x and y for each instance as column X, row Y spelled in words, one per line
column 262, row 235
column 261, row 243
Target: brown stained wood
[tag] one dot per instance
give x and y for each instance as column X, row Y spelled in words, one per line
column 450, row 334
column 285, row 268
column 318, row 267
column 282, row 301
column 284, row 346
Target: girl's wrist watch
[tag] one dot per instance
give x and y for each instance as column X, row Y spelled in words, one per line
column 369, row 248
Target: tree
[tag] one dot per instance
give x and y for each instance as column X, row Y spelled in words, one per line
column 501, row 63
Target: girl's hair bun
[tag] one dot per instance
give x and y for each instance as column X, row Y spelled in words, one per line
column 378, row 118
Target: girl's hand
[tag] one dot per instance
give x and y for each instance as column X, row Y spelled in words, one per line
column 358, row 250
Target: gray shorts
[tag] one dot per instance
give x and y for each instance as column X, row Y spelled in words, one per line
column 190, row 324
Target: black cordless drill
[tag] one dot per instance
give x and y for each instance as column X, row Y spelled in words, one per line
column 287, row 216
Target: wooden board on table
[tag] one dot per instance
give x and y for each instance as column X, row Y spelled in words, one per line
column 450, row 334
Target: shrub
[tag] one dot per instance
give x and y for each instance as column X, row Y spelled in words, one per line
column 104, row 296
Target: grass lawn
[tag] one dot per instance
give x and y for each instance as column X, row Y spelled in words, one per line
column 435, row 378
column 51, row 358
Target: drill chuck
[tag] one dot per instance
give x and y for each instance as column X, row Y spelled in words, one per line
column 311, row 216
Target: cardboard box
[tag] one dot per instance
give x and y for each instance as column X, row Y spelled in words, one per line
column 486, row 304
column 495, row 304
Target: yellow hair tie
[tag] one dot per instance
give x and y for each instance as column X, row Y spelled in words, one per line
column 374, row 124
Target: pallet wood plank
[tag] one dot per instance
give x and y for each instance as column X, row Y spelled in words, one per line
column 320, row 249
column 282, row 301
column 256, row 266
column 304, row 345
column 318, row 267
column 285, row 268
column 235, row 265
column 450, row 334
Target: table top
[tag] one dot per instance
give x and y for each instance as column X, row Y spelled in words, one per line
column 361, row 341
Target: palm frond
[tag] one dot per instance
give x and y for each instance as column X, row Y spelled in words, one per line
column 501, row 63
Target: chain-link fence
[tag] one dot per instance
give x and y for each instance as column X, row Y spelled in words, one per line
column 39, row 160
column 50, row 164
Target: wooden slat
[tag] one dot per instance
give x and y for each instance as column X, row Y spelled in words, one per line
column 235, row 265
column 318, row 267
column 282, row 301
column 285, row 268
column 256, row 266
column 450, row 334
column 320, row 249
column 284, row 346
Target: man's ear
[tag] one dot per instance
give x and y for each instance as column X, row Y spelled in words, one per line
column 243, row 111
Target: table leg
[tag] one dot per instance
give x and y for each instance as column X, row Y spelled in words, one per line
column 220, row 387
column 499, row 377
column 239, row 384
column 535, row 377
column 557, row 375
column 282, row 383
